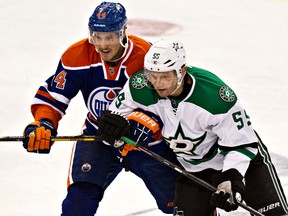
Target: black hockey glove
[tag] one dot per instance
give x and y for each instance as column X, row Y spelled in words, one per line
column 144, row 126
column 230, row 190
column 111, row 127
column 37, row 136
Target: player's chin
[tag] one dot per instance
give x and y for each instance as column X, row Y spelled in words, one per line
column 162, row 92
column 106, row 57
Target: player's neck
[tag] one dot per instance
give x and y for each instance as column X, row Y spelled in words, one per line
column 183, row 89
column 117, row 58
column 120, row 54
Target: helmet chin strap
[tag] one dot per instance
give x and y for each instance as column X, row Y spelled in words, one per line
column 178, row 84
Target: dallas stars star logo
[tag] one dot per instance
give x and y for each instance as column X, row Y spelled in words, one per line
column 176, row 46
column 227, row 94
column 139, row 81
column 180, row 143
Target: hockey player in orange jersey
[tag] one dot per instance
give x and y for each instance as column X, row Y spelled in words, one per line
column 98, row 67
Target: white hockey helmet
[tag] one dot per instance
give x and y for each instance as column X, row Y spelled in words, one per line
column 164, row 56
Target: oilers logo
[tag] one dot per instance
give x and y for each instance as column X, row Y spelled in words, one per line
column 100, row 99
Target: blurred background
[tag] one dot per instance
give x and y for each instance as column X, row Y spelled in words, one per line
column 244, row 42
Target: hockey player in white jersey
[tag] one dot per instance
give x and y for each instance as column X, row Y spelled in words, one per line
column 209, row 131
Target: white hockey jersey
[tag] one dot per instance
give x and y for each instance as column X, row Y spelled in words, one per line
column 209, row 128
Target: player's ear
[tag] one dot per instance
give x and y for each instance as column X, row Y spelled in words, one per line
column 183, row 71
column 124, row 32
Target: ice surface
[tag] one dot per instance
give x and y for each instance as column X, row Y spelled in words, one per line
column 244, row 42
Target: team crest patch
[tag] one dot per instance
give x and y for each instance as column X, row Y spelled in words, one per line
column 226, row 94
column 139, row 81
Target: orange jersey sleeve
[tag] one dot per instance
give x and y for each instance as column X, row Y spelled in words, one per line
column 40, row 111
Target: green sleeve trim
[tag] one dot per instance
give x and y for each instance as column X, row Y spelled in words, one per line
column 243, row 151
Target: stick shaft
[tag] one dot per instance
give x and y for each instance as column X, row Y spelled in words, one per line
column 184, row 172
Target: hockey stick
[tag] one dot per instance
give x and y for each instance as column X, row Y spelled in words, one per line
column 184, row 172
column 146, row 151
column 55, row 138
